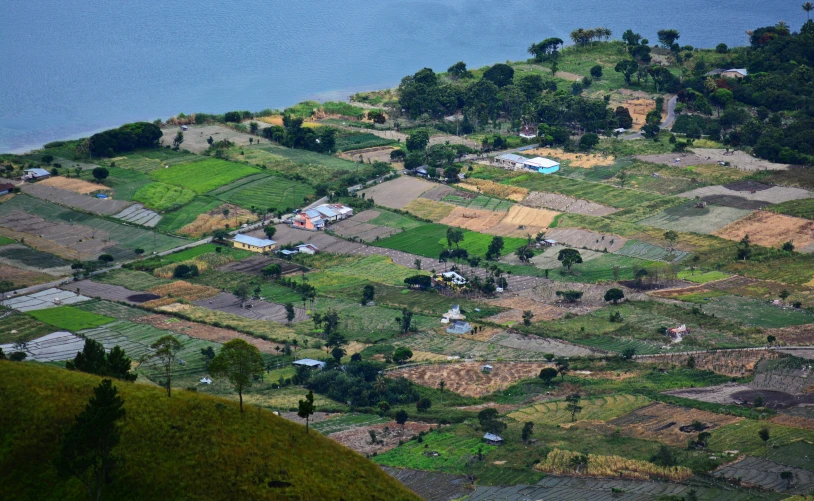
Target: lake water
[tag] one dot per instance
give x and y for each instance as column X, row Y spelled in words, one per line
column 71, row 68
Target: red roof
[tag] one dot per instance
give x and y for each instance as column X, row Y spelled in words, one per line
column 6, row 187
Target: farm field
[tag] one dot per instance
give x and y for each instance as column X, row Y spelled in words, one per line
column 772, row 230
column 700, row 277
column 494, row 189
column 218, row 218
column 20, row 278
column 593, row 409
column 146, row 161
column 110, row 309
column 19, row 327
column 73, row 184
column 467, row 379
column 85, row 203
column 309, row 157
column 203, row 176
column 453, row 453
column 564, row 203
column 747, row 195
column 347, row 142
column 755, row 312
column 397, row 193
column 619, row 198
column 137, row 214
column 70, row 318
column 265, row 191
column 473, row 201
column 688, row 218
column 163, row 197
column 273, row 330
column 796, row 208
column 429, row 209
column 32, row 259
column 644, row 250
column 195, row 139
column 175, row 220
column 430, row 240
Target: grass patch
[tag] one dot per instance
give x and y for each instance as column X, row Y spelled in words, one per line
column 265, row 192
column 70, row 318
column 167, row 441
column 755, row 312
column 347, row 141
column 701, row 277
column 453, row 451
column 431, row 239
column 6, row 240
column 177, row 219
column 146, row 161
column 393, row 220
column 799, row 208
column 163, row 197
column 203, row 176
column 133, row 280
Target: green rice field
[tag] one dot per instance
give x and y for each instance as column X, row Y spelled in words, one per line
column 70, row 318
column 393, row 220
column 430, row 240
column 480, row 202
column 644, row 250
column 163, row 197
column 203, row 176
column 149, row 160
column 177, row 219
column 265, row 192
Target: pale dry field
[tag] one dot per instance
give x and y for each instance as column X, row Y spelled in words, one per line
column 585, row 160
column 468, row 380
column 518, row 222
column 564, row 203
column 494, row 189
column 73, row 184
column 215, row 220
column 206, row 332
column 399, row 192
column 772, row 230
column 429, row 209
column 473, row 219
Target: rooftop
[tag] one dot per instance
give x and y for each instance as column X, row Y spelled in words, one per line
column 255, row 242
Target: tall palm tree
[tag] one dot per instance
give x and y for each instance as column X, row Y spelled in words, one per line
column 808, row 7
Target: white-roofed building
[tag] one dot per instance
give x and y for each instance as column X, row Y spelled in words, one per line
column 310, row 363
column 254, row 244
column 34, row 174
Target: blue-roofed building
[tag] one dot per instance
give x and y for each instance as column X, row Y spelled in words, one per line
column 493, row 439
column 254, row 244
column 35, row 174
column 310, row 363
column 459, row 327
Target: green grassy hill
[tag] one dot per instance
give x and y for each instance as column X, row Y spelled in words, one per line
column 189, row 446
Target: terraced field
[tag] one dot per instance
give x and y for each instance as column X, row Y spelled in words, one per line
column 593, row 409
column 644, row 250
column 163, row 197
column 688, row 218
column 594, row 192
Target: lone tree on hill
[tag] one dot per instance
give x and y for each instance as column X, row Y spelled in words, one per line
column 289, row 312
column 572, row 405
column 269, row 231
column 528, row 431
column 764, row 435
column 548, row 374
column 614, row 295
column 100, row 173
column 402, row 354
column 368, row 293
column 527, row 316
column 239, row 362
column 401, row 418
column 87, row 449
column 671, row 236
column 569, row 257
column 306, row 409
column 745, row 248
column 405, row 320
column 165, row 350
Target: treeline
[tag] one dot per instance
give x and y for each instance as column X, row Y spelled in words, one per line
column 293, row 135
column 360, row 383
column 128, row 137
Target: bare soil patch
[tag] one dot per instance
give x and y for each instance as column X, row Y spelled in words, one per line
column 195, row 138
column 521, row 221
column 585, row 160
column 793, row 421
column 398, row 192
column 438, row 192
column 68, row 198
column 771, row 230
column 584, row 239
column 720, row 394
column 736, row 159
column 429, row 209
column 541, row 345
column 745, row 198
column 253, row 308
column 799, row 335
column 564, row 203
column 542, row 311
column 206, row 332
column 70, row 241
column 355, row 228
column 180, row 289
column 494, row 189
column 215, row 220
column 734, row 363
column 639, row 108
column 358, row 438
column 255, row 264
column 467, row 379
column 663, row 423
column 473, row 219
column 369, row 155
column 109, row 292
column 73, row 184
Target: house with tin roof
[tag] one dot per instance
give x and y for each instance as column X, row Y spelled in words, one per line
column 253, row 244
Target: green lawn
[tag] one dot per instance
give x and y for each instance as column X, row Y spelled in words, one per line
column 430, row 240
column 203, row 176
column 70, row 318
column 133, row 280
column 6, row 240
column 393, row 220
column 163, row 197
column 265, row 192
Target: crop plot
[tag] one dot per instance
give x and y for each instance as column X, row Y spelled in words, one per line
column 603, row 408
column 668, row 424
column 76, row 235
column 146, row 161
column 264, row 191
column 604, row 194
column 456, row 346
column 49, row 298
column 110, row 292
column 439, row 192
column 137, row 214
column 440, row 451
column 547, row 259
column 494, row 189
column 180, row 290
column 70, row 318
column 253, row 309
column 541, row 310
column 720, row 394
column 772, row 230
column 20, row 278
column 735, row 363
column 133, row 280
column 541, row 345
column 110, row 309
column 584, row 239
column 52, row 347
column 217, row 218
column 430, row 240
column 272, row 330
column 644, row 250
column 754, row 312
column 206, row 332
column 429, row 209
column 19, row 327
column 203, row 176
column 432, row 486
column 356, row 228
column 688, row 218
column 74, row 200
column 370, row 155
column 569, row 488
column 73, row 184
column 467, row 378
column 32, row 260
column 745, row 195
column 336, row 423
column 797, row 208
column 255, row 264
column 561, row 462
column 564, row 203
column 195, row 139
column 397, row 193
column 472, row 201
column 175, row 220
column 766, row 474
column 584, row 160
column 163, row 197
column 473, row 219
column 392, row 220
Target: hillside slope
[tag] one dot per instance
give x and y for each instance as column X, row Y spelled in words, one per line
column 188, row 447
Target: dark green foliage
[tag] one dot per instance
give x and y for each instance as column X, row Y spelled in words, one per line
column 548, row 374
column 128, row 137
column 500, row 74
column 185, row 271
column 93, row 360
column 357, row 385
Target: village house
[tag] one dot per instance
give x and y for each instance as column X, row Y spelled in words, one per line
column 306, row 249
column 528, row 132
column 453, row 314
column 6, row 188
column 35, row 174
column 735, row 73
column 487, row 369
column 517, row 162
column 459, row 327
column 677, row 334
column 451, row 278
column 493, row 439
column 328, row 213
column 310, row 363
column 308, row 220
column 254, row 244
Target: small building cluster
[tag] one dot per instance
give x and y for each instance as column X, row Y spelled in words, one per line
column 676, row 334
column 35, row 174
column 518, row 162
column 730, row 73
column 453, row 314
column 459, row 327
column 310, row 363
column 317, row 218
column 449, row 278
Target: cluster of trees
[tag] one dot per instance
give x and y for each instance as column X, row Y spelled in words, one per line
column 93, row 360
column 293, row 135
column 361, row 385
column 128, row 137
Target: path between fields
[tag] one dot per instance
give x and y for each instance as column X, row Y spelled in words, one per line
column 667, row 122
